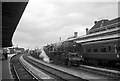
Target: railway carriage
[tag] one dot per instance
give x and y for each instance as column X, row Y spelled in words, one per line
column 102, row 42
column 102, row 51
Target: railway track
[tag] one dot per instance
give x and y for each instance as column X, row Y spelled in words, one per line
column 85, row 71
column 112, row 74
column 19, row 72
column 56, row 74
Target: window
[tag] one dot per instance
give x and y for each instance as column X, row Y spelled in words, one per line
column 118, row 49
column 109, row 47
column 84, row 50
column 102, row 29
column 118, row 25
column 95, row 50
column 103, row 49
column 88, row 50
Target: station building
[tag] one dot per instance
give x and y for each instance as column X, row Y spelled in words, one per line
column 102, row 41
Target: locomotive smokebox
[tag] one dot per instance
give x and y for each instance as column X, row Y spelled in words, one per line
column 76, row 34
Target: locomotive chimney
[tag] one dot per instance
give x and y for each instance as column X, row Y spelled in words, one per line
column 75, row 34
column 87, row 32
column 95, row 22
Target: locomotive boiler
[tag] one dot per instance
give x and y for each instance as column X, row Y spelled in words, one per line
column 69, row 53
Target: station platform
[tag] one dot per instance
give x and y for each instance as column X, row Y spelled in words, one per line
column 5, row 73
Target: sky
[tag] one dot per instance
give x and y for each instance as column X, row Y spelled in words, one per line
column 45, row 21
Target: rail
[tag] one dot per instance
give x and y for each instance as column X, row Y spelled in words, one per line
column 57, row 74
column 34, row 77
column 19, row 72
column 17, row 76
column 81, row 71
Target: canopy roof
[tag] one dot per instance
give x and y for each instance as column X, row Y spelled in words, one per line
column 11, row 14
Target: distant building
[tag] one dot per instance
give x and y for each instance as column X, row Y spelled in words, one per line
column 19, row 50
column 11, row 50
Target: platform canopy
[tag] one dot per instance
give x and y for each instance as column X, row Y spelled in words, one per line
column 11, row 14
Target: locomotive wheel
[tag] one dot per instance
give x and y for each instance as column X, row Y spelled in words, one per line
column 77, row 64
column 111, row 63
column 67, row 62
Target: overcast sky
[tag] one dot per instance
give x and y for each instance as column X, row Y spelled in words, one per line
column 44, row 21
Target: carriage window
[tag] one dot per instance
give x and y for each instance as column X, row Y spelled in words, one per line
column 103, row 49
column 118, row 49
column 88, row 50
column 109, row 48
column 95, row 50
column 84, row 50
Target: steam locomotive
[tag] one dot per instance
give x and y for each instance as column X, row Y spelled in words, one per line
column 68, row 53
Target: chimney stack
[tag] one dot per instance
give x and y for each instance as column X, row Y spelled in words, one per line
column 76, row 34
column 87, row 32
column 95, row 22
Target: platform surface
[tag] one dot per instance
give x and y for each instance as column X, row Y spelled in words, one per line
column 5, row 73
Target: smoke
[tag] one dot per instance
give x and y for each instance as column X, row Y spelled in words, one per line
column 46, row 60
column 44, row 57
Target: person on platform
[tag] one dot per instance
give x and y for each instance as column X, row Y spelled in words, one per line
column 5, row 54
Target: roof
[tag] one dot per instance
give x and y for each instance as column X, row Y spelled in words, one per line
column 99, row 34
column 103, row 24
column 104, row 37
column 11, row 14
column 112, row 29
